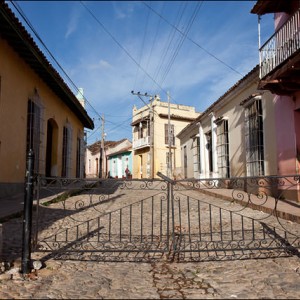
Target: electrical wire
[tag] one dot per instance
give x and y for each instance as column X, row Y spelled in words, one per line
column 183, row 38
column 120, row 45
column 142, row 48
column 168, row 45
column 197, row 44
column 152, row 45
column 22, row 14
column 24, row 17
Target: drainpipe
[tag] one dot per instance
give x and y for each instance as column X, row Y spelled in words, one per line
column 259, row 45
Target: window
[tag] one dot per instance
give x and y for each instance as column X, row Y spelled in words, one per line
column 80, row 156
column 223, row 149
column 66, row 151
column 185, row 161
column 172, row 134
column 140, row 131
column 209, row 150
column 34, row 133
column 254, row 139
column 97, row 166
column 196, row 154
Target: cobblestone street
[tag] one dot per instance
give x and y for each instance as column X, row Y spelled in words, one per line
column 254, row 279
column 268, row 278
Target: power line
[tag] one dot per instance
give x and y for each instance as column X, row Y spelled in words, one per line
column 142, row 48
column 191, row 21
column 24, row 17
column 153, row 43
column 166, row 49
column 119, row 44
column 22, row 14
column 197, row 44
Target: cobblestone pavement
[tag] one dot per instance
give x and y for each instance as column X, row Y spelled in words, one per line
column 271, row 278
column 254, row 279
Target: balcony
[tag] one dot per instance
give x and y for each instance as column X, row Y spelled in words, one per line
column 280, row 59
column 141, row 143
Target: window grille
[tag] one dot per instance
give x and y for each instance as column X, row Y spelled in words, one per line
column 67, row 151
column 196, row 154
column 97, row 166
column 209, row 150
column 223, row 149
column 34, row 139
column 254, row 139
column 185, row 166
column 140, row 132
column 167, row 134
column 80, row 155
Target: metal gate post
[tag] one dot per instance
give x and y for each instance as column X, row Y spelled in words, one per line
column 173, row 217
column 168, row 216
column 27, row 217
column 170, row 200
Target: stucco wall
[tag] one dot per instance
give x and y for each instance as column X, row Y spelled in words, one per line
column 18, row 82
column 126, row 160
column 139, row 160
column 160, row 147
column 286, row 142
column 230, row 108
column 186, row 140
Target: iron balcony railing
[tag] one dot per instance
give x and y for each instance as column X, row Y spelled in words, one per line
column 142, row 142
column 282, row 44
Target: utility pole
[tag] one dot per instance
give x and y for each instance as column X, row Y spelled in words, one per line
column 101, row 171
column 151, row 133
column 170, row 138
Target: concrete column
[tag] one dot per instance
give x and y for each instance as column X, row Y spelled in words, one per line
column 202, row 152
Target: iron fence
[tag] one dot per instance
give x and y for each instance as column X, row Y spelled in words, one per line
column 183, row 220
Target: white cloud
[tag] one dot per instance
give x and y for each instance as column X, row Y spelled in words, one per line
column 102, row 64
column 124, row 12
column 72, row 24
column 196, row 78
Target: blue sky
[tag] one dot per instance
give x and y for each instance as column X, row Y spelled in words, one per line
column 110, row 48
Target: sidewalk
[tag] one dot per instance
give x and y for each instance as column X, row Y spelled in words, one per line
column 11, row 206
column 285, row 209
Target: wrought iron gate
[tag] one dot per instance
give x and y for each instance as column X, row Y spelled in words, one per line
column 147, row 220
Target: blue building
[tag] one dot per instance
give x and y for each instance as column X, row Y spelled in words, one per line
column 120, row 161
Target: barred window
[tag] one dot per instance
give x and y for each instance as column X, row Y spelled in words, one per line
column 66, row 151
column 34, row 133
column 223, row 149
column 196, row 154
column 140, row 131
column 172, row 134
column 209, row 150
column 254, row 139
column 80, row 156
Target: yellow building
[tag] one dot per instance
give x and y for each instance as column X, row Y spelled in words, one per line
column 150, row 132
column 37, row 111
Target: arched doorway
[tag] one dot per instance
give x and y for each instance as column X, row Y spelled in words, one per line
column 51, row 148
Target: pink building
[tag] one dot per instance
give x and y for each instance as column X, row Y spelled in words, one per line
column 280, row 74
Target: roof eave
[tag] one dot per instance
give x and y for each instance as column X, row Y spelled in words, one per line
column 21, row 41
